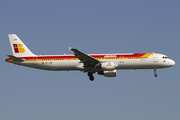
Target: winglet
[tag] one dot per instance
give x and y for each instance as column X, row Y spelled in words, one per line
column 69, row 48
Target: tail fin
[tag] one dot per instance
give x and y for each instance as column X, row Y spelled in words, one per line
column 19, row 49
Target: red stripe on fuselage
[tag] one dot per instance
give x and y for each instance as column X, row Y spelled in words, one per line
column 72, row 56
column 95, row 56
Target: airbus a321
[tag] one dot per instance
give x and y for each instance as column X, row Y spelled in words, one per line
column 103, row 64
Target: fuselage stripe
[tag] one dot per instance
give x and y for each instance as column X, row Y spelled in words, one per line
column 99, row 57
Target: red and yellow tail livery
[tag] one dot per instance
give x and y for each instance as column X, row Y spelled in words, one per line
column 18, row 48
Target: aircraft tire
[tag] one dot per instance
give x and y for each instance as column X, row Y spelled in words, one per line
column 155, row 75
column 91, row 78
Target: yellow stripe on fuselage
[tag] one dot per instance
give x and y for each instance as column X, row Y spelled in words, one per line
column 147, row 55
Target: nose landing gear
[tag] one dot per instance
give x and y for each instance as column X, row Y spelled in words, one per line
column 155, row 75
column 90, row 74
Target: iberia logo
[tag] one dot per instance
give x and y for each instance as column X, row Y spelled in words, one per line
column 18, row 48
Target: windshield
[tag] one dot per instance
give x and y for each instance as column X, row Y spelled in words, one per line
column 165, row 57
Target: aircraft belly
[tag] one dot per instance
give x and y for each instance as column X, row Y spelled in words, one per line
column 57, row 65
column 27, row 64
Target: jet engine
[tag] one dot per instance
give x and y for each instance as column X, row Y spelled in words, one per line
column 108, row 73
column 109, row 66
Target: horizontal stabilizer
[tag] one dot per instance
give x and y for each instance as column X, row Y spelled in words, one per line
column 15, row 58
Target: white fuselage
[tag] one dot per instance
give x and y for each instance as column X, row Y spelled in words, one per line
column 151, row 62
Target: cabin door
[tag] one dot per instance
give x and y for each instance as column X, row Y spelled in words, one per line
column 155, row 58
column 121, row 59
column 35, row 61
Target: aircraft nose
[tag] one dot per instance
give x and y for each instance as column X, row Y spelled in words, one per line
column 172, row 62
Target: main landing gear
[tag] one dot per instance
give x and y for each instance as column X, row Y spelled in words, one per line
column 90, row 74
column 155, row 75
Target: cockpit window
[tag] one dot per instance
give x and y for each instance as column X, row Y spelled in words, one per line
column 165, row 57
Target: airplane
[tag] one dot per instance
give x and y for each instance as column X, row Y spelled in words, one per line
column 103, row 64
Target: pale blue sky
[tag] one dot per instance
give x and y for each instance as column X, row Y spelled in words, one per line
column 96, row 26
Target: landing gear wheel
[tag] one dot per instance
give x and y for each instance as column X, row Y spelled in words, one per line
column 91, row 78
column 155, row 75
column 90, row 74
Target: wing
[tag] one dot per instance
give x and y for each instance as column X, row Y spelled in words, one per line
column 84, row 58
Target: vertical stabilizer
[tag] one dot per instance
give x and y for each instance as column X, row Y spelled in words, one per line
column 19, row 49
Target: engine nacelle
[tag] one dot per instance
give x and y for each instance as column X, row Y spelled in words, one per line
column 108, row 73
column 109, row 66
